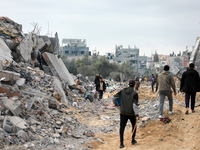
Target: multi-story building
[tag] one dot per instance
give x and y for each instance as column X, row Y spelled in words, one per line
column 74, row 47
column 127, row 55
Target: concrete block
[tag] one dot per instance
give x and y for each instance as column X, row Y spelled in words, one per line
column 25, row 47
column 13, row 124
column 7, row 91
column 144, row 119
column 58, row 68
column 21, row 82
column 5, row 52
column 14, row 107
column 23, row 135
column 9, row 75
column 58, row 87
column 53, row 103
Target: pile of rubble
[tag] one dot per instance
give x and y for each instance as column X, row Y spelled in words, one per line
column 37, row 91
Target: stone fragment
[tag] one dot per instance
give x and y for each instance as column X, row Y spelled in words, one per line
column 30, row 104
column 14, row 107
column 58, row 122
column 20, row 81
column 56, row 135
column 13, row 124
column 53, row 103
column 23, row 135
column 9, row 75
column 25, row 48
column 5, row 52
column 1, row 121
column 58, row 86
column 58, row 68
column 33, row 129
column 144, row 119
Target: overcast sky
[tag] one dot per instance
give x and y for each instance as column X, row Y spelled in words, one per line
column 162, row 25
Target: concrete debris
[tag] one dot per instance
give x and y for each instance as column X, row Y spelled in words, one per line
column 5, row 52
column 12, row 124
column 20, row 81
column 58, row 86
column 58, row 68
column 9, row 76
column 25, row 48
column 14, row 107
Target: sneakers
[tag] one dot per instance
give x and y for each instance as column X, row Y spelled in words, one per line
column 171, row 112
column 161, row 116
column 134, row 142
column 121, row 146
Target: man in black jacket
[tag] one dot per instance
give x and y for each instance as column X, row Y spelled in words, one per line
column 96, row 80
column 101, row 87
column 190, row 85
column 129, row 100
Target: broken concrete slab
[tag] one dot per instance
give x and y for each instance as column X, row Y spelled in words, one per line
column 25, row 47
column 13, row 124
column 9, row 75
column 5, row 52
column 1, row 67
column 58, row 68
column 14, row 107
column 48, row 46
column 53, row 103
column 20, row 81
column 22, row 135
column 58, row 86
column 7, row 91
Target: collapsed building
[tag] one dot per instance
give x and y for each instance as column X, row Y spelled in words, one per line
column 36, row 88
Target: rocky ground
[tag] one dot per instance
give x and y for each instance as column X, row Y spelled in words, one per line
column 84, row 125
column 152, row 134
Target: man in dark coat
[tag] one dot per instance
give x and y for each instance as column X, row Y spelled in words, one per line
column 129, row 101
column 101, row 87
column 96, row 81
column 190, row 85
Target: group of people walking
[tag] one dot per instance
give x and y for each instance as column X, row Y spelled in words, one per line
column 165, row 85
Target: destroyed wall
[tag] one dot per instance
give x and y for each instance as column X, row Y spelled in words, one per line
column 195, row 56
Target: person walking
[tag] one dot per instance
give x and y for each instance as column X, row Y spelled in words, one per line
column 165, row 83
column 156, row 83
column 96, row 80
column 101, row 87
column 153, row 79
column 129, row 101
column 137, row 84
column 190, row 85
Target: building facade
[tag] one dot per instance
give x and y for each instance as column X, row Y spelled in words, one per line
column 74, row 47
column 127, row 55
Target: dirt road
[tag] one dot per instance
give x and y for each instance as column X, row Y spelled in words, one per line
column 182, row 133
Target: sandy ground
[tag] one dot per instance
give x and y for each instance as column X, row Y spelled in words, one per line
column 183, row 132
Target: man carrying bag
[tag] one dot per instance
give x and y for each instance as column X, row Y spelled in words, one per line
column 128, row 109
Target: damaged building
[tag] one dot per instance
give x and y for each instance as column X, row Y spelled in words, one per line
column 36, row 88
column 74, row 47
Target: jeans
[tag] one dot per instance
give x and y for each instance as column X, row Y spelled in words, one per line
column 187, row 99
column 162, row 95
column 123, row 121
column 152, row 86
column 100, row 94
